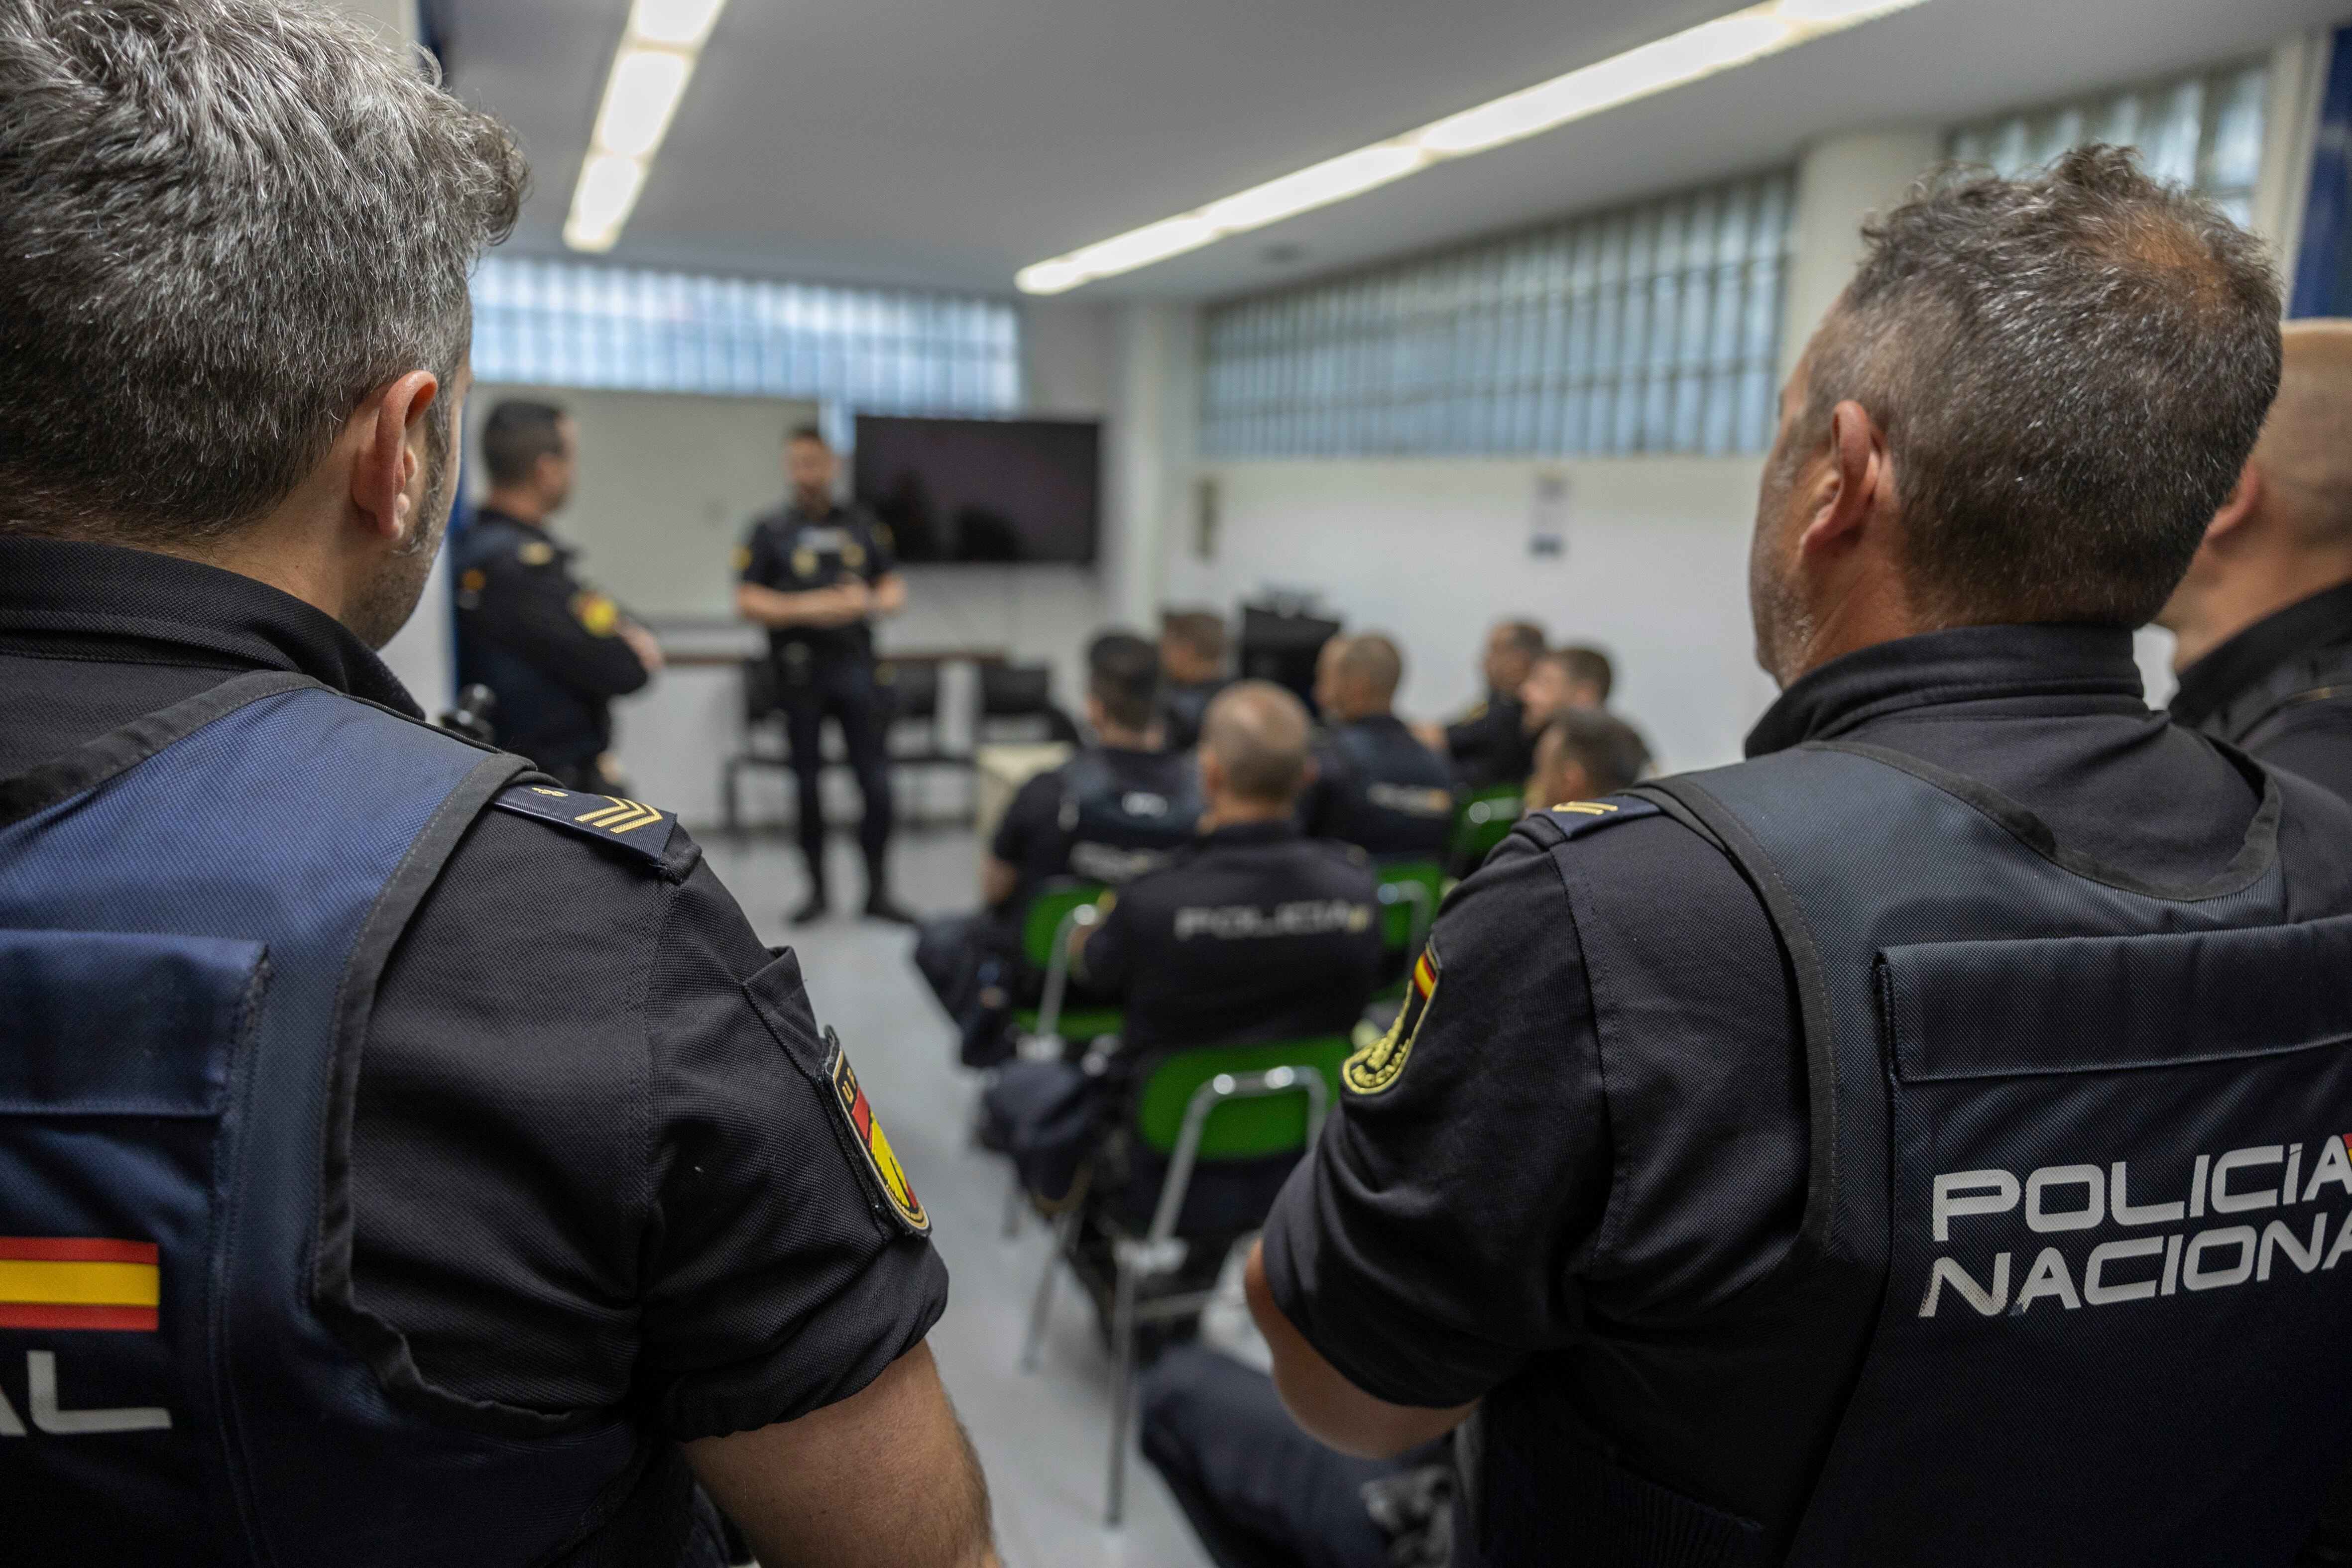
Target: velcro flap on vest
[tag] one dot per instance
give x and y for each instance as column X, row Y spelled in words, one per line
column 1972, row 1009
column 105, row 1023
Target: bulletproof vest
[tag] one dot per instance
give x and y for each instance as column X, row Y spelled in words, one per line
column 1124, row 815
column 2068, row 1285
column 194, row 912
column 1389, row 795
column 2318, row 677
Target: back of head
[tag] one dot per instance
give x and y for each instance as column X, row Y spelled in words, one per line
column 1604, row 745
column 2070, row 370
column 1523, row 638
column 1589, row 668
column 517, row 435
column 1123, row 675
column 1201, row 632
column 250, row 214
column 1372, row 669
column 1258, row 732
column 2305, row 450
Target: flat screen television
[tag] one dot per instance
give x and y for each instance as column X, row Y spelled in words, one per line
column 983, row 489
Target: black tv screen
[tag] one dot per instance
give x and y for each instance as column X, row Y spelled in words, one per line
column 983, row 489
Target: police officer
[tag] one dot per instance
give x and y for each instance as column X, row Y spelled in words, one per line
column 554, row 651
column 1919, row 1143
column 403, row 1157
column 1253, row 932
column 1118, row 807
column 1488, row 744
column 1583, row 753
column 1192, row 671
column 1375, row 785
column 815, row 573
column 2264, row 617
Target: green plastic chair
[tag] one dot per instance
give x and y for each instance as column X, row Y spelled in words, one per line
column 1483, row 819
column 1210, row 1103
column 1408, row 893
column 1054, row 911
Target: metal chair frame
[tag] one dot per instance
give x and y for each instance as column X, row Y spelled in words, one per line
column 1159, row 1249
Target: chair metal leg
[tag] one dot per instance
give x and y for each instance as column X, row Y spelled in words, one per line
column 1042, row 1306
column 1122, row 1387
column 1015, row 1195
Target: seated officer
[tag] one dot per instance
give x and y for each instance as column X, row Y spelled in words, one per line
column 1192, row 671
column 2264, row 616
column 553, row 650
column 1116, row 808
column 1870, row 1152
column 1252, row 933
column 1488, row 744
column 1583, row 754
column 404, row 1159
column 1567, row 680
column 1375, row 785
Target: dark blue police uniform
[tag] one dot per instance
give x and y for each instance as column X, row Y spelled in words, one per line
column 1378, row 788
column 1489, row 745
column 547, row 645
column 401, row 1155
column 2282, row 690
column 1942, row 1152
column 824, row 671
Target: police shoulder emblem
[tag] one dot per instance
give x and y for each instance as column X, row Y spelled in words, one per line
column 1378, row 1065
column 849, row 1098
column 596, row 612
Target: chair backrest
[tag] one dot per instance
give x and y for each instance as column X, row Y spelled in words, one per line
column 1484, row 818
column 1242, row 1129
column 759, row 692
column 1011, row 691
column 1404, row 918
column 913, row 686
column 1047, row 907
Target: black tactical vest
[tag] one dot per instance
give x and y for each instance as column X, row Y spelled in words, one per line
column 1124, row 814
column 2325, row 676
column 2069, row 1286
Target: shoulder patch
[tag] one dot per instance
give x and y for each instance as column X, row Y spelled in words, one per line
column 1574, row 818
column 629, row 824
column 1376, row 1066
column 848, row 1097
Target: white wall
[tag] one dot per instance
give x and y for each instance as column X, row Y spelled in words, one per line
column 1433, row 552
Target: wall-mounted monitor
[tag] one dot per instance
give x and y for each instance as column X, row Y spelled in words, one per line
column 984, row 490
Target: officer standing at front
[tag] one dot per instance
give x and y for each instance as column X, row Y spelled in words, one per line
column 416, row 1161
column 815, row 573
column 2264, row 617
column 1489, row 744
column 1919, row 1144
column 554, row 651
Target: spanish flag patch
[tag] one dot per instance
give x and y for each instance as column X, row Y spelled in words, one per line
column 79, row 1282
column 849, row 1097
column 1379, row 1065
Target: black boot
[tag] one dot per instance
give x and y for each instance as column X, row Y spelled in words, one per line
column 879, row 906
column 817, row 906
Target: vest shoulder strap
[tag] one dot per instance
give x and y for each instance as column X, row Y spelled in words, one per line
column 1574, row 818
column 631, row 826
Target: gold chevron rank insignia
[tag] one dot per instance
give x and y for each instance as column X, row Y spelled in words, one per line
column 619, row 816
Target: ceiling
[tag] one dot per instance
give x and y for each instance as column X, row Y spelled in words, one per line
column 945, row 143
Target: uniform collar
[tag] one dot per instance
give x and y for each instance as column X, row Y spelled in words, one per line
column 99, row 595
column 2084, row 668
column 1280, row 829
column 486, row 514
column 2321, row 621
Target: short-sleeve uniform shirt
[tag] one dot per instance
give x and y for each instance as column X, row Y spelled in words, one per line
column 795, row 552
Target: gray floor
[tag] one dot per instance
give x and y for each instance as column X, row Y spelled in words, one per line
column 1043, row 1437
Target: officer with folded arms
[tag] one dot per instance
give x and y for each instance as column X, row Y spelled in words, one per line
column 404, row 1158
column 1920, row 1143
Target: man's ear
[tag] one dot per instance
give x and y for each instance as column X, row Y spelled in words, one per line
column 2236, row 509
column 386, row 461
column 1858, row 481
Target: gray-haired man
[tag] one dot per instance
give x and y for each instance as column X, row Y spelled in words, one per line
column 403, row 1158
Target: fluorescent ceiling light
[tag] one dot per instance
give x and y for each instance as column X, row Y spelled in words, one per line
column 1684, row 57
column 650, row 70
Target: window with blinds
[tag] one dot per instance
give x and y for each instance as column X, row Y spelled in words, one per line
column 2203, row 129
column 564, row 323
column 1650, row 328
